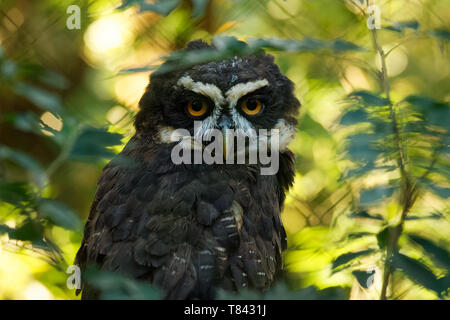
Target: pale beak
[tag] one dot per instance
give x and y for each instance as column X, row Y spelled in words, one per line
column 225, row 123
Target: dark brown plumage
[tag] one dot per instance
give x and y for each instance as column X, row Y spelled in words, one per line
column 190, row 229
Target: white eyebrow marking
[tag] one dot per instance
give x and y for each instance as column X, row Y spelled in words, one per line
column 241, row 89
column 206, row 89
column 234, row 94
column 211, row 91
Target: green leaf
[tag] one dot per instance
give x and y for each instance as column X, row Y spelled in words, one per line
column 436, row 113
column 5, row 229
column 341, row 45
column 369, row 196
column 229, row 47
column 199, row 7
column 431, row 216
column 92, row 144
column 420, row 273
column 354, row 117
column 347, row 257
column 14, row 193
column 361, row 147
column 365, row 214
column 441, row 34
column 305, row 45
column 365, row 278
column 7, row 69
column 357, row 235
column 29, row 230
column 53, row 79
column 401, row 26
column 367, row 98
column 28, row 122
column 43, row 99
column 440, row 191
column 439, row 255
column 59, row 214
column 163, row 7
column 281, row 291
column 25, row 162
column 114, row 286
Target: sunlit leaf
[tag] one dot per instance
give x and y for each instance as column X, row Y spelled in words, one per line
column 354, row 116
column 401, row 26
column 29, row 122
column 282, row 292
column 441, row 192
column 364, row 278
column 304, row 45
column 435, row 112
column 92, row 144
column 347, row 257
column 163, row 7
column 420, row 273
column 114, row 286
column 53, row 79
column 199, row 7
column 440, row 255
column 59, row 214
column 41, row 98
column 357, row 235
column 369, row 196
column 367, row 98
column 229, row 47
column 29, row 230
column 441, row 34
column 14, row 193
column 365, row 214
column 5, row 229
column 8, row 69
column 25, row 161
column 361, row 148
column 431, row 216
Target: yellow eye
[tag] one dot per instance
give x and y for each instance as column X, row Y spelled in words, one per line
column 197, row 108
column 252, row 107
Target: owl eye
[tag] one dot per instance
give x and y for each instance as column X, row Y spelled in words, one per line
column 197, row 108
column 252, row 106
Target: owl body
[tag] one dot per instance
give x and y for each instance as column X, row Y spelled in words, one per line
column 188, row 228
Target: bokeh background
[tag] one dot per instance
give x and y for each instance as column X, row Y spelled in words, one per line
column 370, row 198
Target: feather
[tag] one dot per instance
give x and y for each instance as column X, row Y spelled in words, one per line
column 206, row 213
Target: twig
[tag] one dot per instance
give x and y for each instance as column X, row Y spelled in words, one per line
column 408, row 194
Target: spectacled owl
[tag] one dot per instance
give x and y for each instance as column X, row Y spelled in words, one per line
column 191, row 229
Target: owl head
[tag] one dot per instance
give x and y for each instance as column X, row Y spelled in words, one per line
column 245, row 93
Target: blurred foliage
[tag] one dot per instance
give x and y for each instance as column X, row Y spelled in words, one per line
column 368, row 216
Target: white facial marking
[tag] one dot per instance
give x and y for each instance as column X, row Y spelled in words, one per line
column 206, row 89
column 287, row 133
column 211, row 91
column 232, row 96
column 238, row 91
column 235, row 93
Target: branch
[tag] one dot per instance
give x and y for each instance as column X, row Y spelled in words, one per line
column 408, row 194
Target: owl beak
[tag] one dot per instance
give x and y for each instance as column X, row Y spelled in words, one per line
column 226, row 136
column 225, row 123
